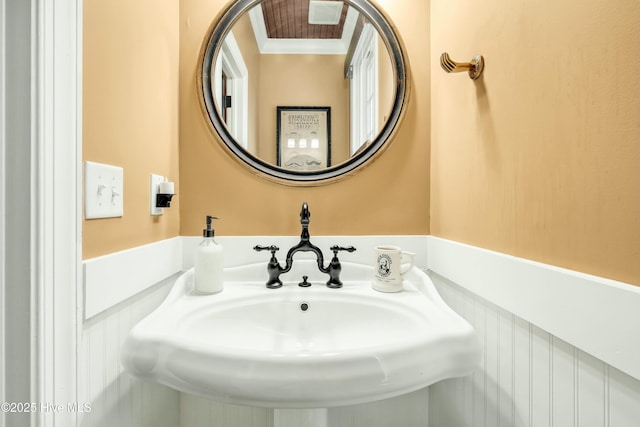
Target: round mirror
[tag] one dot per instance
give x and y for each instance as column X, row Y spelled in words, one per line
column 303, row 91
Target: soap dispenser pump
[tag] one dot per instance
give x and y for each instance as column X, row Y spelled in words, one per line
column 208, row 262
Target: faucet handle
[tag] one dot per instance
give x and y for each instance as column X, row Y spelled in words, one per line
column 335, row 267
column 336, row 248
column 272, row 248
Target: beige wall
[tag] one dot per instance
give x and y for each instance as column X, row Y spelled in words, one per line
column 389, row 197
column 130, row 113
column 540, row 158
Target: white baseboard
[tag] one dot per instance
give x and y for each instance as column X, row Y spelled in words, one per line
column 597, row 315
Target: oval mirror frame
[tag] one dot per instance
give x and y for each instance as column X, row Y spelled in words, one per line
column 399, row 62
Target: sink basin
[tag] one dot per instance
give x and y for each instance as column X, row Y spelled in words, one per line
column 299, row 347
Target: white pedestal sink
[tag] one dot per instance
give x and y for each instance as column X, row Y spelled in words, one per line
column 299, row 348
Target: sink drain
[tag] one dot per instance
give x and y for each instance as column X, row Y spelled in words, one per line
column 304, row 306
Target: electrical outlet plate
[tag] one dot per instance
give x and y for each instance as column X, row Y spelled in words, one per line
column 103, row 191
column 155, row 181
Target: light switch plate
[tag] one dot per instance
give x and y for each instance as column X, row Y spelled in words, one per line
column 155, row 180
column 103, row 191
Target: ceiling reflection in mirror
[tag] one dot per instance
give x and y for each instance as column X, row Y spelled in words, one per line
column 303, row 90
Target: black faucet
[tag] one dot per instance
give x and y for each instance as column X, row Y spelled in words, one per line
column 333, row 269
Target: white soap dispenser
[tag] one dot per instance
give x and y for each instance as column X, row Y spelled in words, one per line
column 208, row 262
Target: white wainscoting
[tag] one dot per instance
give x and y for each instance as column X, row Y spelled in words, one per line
column 116, row 398
column 597, row 315
column 199, row 412
column 529, row 377
column 111, row 279
column 409, row 410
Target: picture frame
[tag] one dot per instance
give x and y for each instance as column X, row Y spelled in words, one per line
column 303, row 138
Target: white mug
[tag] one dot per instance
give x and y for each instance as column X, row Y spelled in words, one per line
column 388, row 268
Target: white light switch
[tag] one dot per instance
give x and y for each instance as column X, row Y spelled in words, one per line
column 103, row 191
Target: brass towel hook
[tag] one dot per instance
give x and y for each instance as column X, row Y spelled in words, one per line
column 474, row 67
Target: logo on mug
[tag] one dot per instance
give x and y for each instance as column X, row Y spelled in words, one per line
column 384, row 265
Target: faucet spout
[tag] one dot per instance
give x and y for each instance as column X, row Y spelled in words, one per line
column 305, row 218
column 305, row 244
column 305, row 215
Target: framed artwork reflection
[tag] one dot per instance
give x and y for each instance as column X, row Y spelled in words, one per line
column 303, row 138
